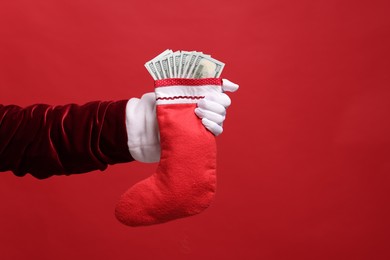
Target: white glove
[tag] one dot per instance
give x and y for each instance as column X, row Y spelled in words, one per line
column 212, row 108
column 142, row 128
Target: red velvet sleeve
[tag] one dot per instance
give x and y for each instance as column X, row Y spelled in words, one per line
column 48, row 140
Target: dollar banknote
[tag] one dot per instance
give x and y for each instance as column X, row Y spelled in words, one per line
column 185, row 55
column 154, row 66
column 208, row 68
column 176, row 60
column 184, row 64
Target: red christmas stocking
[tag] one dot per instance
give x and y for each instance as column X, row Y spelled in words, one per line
column 184, row 183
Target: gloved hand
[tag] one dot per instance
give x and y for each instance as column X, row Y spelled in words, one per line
column 212, row 108
column 142, row 128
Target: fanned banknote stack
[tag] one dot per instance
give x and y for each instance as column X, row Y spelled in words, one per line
column 184, row 64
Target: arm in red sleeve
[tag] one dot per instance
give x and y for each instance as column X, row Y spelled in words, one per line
column 48, row 140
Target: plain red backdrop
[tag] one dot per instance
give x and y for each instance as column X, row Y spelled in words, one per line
column 303, row 164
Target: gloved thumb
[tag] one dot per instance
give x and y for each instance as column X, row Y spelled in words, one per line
column 229, row 86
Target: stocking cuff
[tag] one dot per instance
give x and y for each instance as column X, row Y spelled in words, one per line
column 185, row 91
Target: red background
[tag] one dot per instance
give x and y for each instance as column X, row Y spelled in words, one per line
column 303, row 164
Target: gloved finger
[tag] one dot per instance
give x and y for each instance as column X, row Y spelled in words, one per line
column 229, row 86
column 212, row 126
column 217, row 118
column 210, row 105
column 220, row 98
